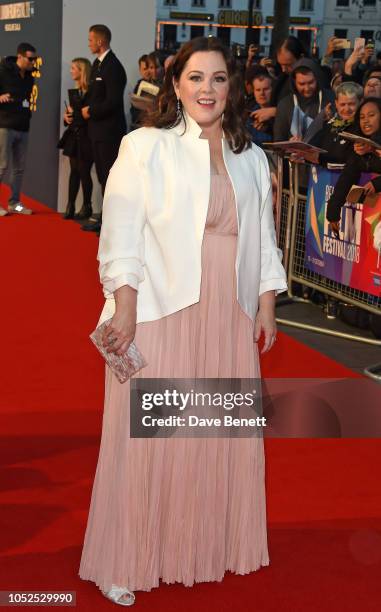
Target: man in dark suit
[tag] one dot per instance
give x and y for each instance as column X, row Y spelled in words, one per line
column 105, row 110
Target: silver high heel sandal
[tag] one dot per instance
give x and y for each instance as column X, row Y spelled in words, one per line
column 116, row 594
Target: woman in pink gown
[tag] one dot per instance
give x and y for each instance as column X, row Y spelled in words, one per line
column 181, row 509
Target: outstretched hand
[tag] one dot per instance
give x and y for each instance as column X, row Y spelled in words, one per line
column 4, row 98
column 328, row 111
column 369, row 188
column 362, row 148
column 335, row 228
column 263, row 114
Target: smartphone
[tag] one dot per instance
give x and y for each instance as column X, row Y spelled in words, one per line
column 238, row 50
column 69, row 113
column 359, row 44
column 370, row 44
column 342, row 43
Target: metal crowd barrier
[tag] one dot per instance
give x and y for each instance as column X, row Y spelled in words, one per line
column 290, row 226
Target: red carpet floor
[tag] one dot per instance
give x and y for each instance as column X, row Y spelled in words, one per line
column 324, row 498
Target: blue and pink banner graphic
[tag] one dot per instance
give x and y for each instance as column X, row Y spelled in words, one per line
column 352, row 259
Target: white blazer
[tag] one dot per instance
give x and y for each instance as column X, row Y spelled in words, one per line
column 154, row 212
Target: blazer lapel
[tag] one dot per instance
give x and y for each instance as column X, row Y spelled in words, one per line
column 241, row 176
column 194, row 159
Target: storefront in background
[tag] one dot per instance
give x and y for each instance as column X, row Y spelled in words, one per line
column 230, row 26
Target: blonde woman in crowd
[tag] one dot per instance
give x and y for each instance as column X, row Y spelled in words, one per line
column 75, row 142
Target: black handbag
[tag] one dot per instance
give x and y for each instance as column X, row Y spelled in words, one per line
column 63, row 140
column 69, row 142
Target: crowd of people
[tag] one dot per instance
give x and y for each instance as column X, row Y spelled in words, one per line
column 297, row 97
column 290, row 96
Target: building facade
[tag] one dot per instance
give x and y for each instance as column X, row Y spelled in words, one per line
column 351, row 19
column 180, row 20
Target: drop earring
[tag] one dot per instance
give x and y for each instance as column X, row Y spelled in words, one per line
column 178, row 110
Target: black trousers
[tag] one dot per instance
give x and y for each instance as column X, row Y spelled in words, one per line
column 105, row 153
column 80, row 174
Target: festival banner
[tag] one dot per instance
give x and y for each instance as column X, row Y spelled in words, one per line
column 353, row 259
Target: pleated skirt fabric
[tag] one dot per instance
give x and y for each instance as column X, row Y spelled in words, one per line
column 182, row 509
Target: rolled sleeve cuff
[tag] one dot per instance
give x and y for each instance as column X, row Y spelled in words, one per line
column 275, row 284
column 120, row 272
column 111, row 285
column 273, row 275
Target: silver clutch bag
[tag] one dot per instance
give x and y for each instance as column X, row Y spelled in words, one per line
column 123, row 366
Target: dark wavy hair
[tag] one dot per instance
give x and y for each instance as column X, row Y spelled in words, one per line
column 164, row 113
column 377, row 102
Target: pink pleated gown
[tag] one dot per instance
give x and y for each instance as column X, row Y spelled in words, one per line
column 182, row 509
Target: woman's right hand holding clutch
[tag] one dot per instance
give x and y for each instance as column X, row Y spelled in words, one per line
column 120, row 333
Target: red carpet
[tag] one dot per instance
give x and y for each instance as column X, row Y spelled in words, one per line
column 324, row 498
